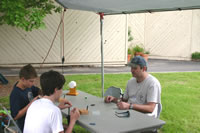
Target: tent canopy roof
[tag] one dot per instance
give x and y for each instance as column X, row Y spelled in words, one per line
column 109, row 7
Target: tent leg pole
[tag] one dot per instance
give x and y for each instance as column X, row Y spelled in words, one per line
column 102, row 55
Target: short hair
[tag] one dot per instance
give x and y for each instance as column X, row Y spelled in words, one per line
column 27, row 72
column 51, row 80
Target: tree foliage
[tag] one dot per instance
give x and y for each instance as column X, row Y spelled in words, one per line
column 26, row 14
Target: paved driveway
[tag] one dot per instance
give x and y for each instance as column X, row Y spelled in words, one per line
column 154, row 65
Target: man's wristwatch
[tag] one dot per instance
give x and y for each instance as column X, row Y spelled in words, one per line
column 131, row 106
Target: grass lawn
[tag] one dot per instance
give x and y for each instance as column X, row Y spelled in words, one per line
column 180, row 97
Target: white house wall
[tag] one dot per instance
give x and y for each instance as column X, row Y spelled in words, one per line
column 20, row 47
column 167, row 35
column 195, row 38
column 82, row 38
column 136, row 22
column 82, row 41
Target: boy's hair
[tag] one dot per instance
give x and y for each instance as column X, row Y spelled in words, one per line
column 51, row 80
column 28, row 72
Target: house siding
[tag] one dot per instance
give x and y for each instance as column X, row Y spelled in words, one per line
column 167, row 35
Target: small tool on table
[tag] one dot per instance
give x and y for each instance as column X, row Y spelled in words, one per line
column 84, row 111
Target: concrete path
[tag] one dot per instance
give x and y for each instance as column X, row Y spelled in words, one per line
column 154, row 65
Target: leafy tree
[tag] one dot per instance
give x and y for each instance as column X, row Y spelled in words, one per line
column 26, row 14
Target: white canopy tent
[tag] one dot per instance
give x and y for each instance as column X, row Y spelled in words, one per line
column 129, row 6
column 111, row 7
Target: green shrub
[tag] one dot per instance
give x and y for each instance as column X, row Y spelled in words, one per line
column 137, row 48
column 147, row 52
column 196, row 55
column 129, row 51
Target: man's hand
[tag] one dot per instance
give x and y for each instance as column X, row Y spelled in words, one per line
column 109, row 99
column 123, row 105
column 64, row 103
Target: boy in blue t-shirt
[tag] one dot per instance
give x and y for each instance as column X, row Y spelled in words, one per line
column 23, row 94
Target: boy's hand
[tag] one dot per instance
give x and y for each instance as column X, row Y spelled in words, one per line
column 74, row 114
column 64, row 103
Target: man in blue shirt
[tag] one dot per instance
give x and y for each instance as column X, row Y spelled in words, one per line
column 23, row 94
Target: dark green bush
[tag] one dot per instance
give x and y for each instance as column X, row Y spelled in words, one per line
column 196, row 55
column 137, row 48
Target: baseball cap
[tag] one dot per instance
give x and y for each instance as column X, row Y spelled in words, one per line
column 137, row 60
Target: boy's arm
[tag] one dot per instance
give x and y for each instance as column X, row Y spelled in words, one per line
column 70, row 127
column 74, row 115
column 23, row 111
